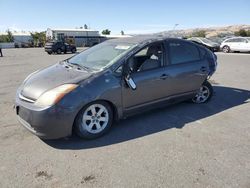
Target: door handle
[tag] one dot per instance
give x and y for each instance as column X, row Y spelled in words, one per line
column 164, row 76
column 203, row 69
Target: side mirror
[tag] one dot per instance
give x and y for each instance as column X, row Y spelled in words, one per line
column 130, row 82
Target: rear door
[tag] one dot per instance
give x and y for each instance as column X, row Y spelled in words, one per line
column 186, row 70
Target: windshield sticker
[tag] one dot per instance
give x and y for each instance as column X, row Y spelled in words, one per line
column 120, row 47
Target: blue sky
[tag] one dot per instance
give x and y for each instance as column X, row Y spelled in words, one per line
column 132, row 16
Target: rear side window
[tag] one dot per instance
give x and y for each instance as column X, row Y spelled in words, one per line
column 234, row 40
column 242, row 40
column 183, row 52
column 229, row 40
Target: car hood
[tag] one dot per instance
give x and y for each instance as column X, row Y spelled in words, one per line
column 51, row 77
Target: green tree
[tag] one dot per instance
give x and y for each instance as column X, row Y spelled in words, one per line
column 106, row 32
column 38, row 37
column 3, row 38
column 122, row 32
column 34, row 37
column 7, row 38
column 201, row 33
column 85, row 26
column 242, row 33
column 10, row 37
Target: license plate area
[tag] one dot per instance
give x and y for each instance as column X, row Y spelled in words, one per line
column 17, row 110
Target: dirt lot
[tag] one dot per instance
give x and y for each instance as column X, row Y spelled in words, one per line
column 185, row 145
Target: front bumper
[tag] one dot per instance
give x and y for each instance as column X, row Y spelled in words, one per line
column 49, row 123
column 215, row 49
column 48, row 49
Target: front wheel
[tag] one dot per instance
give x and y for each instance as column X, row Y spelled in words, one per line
column 94, row 120
column 226, row 49
column 73, row 50
column 204, row 94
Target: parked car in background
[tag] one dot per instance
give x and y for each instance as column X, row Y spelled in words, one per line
column 217, row 40
column 113, row 80
column 236, row 44
column 213, row 46
column 59, row 47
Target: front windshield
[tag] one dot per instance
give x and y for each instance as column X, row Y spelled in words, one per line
column 101, row 56
column 206, row 41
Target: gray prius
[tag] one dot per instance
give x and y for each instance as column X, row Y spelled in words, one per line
column 115, row 79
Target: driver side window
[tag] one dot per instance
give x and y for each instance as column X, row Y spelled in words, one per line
column 150, row 57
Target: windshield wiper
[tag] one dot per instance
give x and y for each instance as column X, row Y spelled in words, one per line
column 78, row 65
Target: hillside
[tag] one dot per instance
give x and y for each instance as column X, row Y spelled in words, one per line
column 210, row 31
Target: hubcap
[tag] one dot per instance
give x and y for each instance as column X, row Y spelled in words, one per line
column 95, row 118
column 202, row 95
column 226, row 49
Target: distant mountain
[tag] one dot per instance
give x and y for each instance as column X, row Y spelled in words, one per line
column 210, row 31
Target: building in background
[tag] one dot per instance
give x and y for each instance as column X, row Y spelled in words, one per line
column 21, row 39
column 79, row 37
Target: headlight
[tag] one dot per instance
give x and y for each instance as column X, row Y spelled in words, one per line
column 51, row 97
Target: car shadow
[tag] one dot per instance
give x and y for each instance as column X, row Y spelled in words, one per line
column 154, row 121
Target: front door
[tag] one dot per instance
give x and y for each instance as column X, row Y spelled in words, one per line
column 147, row 71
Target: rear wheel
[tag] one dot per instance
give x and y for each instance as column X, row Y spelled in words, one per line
column 58, row 51
column 226, row 49
column 49, row 53
column 204, row 94
column 94, row 120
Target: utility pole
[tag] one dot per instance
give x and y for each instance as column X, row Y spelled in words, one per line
column 175, row 25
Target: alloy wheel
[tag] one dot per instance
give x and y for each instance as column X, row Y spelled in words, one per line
column 226, row 49
column 95, row 118
column 202, row 95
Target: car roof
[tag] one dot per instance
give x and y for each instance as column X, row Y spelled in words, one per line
column 198, row 37
column 236, row 38
column 239, row 37
column 139, row 39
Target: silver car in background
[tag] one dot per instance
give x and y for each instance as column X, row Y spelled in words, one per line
column 112, row 80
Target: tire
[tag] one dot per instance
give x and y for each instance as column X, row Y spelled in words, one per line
column 58, row 51
column 49, row 53
column 226, row 49
column 73, row 50
column 204, row 94
column 89, row 124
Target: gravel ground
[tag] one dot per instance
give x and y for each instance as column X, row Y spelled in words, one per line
column 184, row 145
